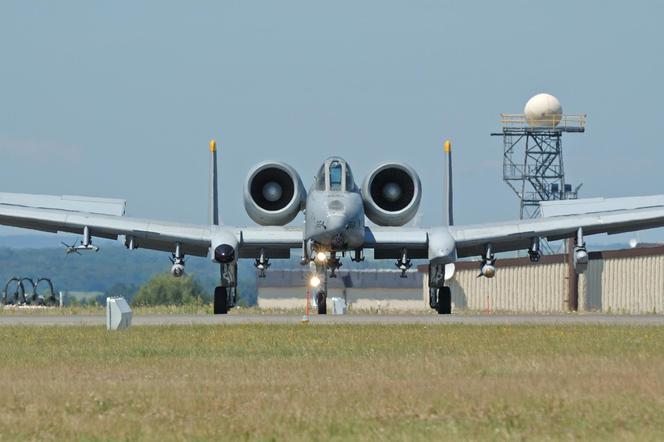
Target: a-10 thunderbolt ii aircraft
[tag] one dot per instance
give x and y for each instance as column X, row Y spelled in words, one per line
column 335, row 224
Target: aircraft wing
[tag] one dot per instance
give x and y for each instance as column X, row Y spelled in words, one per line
column 388, row 242
column 157, row 235
column 516, row 235
column 104, row 218
column 276, row 242
column 597, row 215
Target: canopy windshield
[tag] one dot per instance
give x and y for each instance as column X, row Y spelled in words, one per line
column 335, row 175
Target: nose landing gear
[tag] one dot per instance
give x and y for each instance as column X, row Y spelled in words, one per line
column 319, row 288
column 321, row 302
column 319, row 266
column 333, row 263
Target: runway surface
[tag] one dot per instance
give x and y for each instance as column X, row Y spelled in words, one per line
column 485, row 319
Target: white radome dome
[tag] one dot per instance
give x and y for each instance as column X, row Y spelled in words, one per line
column 543, row 110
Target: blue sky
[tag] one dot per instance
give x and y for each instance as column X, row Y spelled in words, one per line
column 120, row 99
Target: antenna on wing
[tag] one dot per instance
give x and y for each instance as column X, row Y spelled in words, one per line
column 213, row 208
column 448, row 218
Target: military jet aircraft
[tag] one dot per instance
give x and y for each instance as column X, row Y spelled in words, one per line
column 335, row 210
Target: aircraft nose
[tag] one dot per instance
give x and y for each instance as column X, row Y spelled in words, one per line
column 336, row 206
column 336, row 223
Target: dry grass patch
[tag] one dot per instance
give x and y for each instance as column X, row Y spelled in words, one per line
column 362, row 382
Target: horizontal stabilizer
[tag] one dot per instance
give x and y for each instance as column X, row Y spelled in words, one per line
column 99, row 206
column 587, row 206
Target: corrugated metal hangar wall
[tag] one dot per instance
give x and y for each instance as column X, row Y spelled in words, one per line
column 516, row 287
column 630, row 281
column 621, row 281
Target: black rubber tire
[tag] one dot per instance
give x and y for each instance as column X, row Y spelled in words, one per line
column 444, row 301
column 220, row 301
column 321, row 301
column 433, row 298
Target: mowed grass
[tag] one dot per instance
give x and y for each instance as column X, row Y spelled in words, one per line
column 303, row 382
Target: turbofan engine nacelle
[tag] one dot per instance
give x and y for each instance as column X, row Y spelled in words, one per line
column 273, row 194
column 391, row 194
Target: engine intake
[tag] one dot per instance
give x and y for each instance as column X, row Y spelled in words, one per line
column 273, row 194
column 391, row 194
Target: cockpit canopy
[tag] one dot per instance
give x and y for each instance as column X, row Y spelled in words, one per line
column 335, row 175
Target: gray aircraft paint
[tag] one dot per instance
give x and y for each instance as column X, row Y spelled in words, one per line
column 334, row 219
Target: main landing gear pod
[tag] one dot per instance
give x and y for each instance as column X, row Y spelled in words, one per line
column 225, row 295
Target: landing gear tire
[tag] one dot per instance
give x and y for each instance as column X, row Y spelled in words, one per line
column 433, row 298
column 444, row 306
column 321, row 302
column 220, row 301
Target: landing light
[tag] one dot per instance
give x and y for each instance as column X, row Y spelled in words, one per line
column 314, row 281
column 321, row 257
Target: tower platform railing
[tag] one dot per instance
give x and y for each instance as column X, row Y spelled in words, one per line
column 517, row 123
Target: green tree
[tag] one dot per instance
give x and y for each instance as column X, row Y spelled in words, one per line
column 119, row 289
column 164, row 289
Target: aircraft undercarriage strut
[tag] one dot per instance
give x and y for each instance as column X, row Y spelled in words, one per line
column 225, row 295
column 440, row 296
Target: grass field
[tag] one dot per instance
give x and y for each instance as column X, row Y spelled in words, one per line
column 332, row 382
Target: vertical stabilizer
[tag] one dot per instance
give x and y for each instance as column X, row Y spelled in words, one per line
column 213, row 207
column 448, row 205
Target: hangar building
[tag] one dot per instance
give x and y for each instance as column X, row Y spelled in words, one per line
column 361, row 289
column 620, row 281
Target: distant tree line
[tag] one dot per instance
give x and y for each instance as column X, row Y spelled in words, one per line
column 164, row 289
column 115, row 270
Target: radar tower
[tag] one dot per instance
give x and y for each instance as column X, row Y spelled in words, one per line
column 533, row 153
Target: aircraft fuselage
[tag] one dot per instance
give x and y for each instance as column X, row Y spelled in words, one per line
column 334, row 220
column 334, row 211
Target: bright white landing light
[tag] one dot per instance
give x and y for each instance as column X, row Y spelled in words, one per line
column 321, row 257
column 314, row 281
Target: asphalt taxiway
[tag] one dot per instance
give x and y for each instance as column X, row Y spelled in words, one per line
column 483, row 319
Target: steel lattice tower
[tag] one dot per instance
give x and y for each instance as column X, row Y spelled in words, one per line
column 533, row 160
